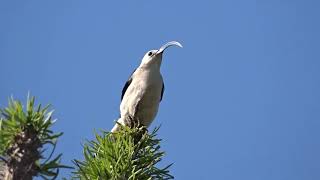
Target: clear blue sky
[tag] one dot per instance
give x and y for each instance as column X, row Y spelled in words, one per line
column 242, row 97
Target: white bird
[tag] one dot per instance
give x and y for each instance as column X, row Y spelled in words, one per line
column 143, row 91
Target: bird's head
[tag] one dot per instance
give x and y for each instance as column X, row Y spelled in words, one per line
column 154, row 57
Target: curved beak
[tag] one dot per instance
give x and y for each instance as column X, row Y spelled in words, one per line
column 171, row 43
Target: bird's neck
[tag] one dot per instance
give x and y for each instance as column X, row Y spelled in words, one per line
column 155, row 66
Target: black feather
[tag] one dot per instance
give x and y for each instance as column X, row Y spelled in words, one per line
column 162, row 91
column 124, row 89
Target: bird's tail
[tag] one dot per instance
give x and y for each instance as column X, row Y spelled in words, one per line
column 126, row 121
column 118, row 124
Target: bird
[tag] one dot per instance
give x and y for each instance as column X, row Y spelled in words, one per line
column 143, row 91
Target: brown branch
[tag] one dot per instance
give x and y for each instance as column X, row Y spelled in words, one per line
column 23, row 154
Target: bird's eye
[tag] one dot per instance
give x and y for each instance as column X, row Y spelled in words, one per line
column 149, row 53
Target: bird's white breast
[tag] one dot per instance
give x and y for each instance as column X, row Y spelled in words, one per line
column 142, row 97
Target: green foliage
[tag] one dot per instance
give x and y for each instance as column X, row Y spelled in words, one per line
column 19, row 126
column 127, row 154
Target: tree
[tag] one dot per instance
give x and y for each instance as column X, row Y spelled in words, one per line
column 131, row 153
column 23, row 135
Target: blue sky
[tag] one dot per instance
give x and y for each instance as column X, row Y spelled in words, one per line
column 242, row 97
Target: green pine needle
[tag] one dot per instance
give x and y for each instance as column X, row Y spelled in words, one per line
column 17, row 122
column 127, row 154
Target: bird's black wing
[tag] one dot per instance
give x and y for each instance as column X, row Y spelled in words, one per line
column 162, row 91
column 124, row 89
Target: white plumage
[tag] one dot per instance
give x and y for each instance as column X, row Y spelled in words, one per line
column 143, row 91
